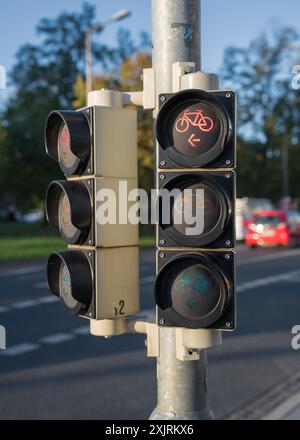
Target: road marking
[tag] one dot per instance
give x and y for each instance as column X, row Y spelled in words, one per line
column 82, row 331
column 288, row 276
column 48, row 300
column 269, row 257
column 22, row 271
column 19, row 349
column 30, row 303
column 57, row 338
column 24, row 304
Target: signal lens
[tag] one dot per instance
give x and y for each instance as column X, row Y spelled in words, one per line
column 66, row 157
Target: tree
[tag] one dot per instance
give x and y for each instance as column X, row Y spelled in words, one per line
column 43, row 78
column 268, row 107
column 128, row 78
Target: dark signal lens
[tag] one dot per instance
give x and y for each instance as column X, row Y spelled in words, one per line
column 65, row 288
column 199, row 201
column 66, row 227
column 191, row 291
column 66, row 157
column 195, row 292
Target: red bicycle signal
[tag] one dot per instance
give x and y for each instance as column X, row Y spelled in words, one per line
column 194, row 119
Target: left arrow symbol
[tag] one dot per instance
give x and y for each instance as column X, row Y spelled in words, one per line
column 193, row 141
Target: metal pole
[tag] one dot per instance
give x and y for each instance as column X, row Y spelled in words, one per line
column 181, row 386
column 88, row 62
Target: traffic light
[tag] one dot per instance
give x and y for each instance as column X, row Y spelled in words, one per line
column 196, row 157
column 96, row 148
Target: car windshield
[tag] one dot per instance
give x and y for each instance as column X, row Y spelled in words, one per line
column 268, row 220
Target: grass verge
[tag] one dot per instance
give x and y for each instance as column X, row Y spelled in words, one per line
column 18, row 241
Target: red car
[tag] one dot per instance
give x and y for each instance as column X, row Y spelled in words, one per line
column 269, row 228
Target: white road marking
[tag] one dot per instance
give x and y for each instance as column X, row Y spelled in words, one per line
column 269, row 257
column 288, row 276
column 57, row 338
column 29, row 303
column 24, row 304
column 48, row 299
column 82, row 331
column 19, row 349
column 21, row 271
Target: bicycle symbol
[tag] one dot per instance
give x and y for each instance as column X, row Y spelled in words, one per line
column 196, row 119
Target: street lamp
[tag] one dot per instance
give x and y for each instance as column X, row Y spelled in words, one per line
column 119, row 15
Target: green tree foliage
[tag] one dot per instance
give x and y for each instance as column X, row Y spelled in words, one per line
column 268, row 110
column 128, row 78
column 43, row 79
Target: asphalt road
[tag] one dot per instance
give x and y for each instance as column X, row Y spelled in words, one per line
column 53, row 369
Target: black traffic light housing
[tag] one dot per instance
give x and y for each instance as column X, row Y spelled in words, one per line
column 70, row 277
column 196, row 289
column 196, row 150
column 69, row 208
column 196, row 129
column 68, row 140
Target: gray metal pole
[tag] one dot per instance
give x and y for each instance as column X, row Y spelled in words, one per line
column 181, row 386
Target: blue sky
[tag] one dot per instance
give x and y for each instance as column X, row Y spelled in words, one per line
column 230, row 22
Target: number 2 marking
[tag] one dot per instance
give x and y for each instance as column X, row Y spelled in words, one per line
column 119, row 311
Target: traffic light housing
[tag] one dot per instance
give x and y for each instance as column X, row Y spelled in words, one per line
column 97, row 277
column 196, row 151
column 196, row 129
column 195, row 290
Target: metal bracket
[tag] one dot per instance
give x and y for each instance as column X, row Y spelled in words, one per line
column 189, row 343
column 179, row 70
column 145, row 98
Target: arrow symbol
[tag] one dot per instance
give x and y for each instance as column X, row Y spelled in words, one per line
column 189, row 32
column 193, row 142
column 193, row 304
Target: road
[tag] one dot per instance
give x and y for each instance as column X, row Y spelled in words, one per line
column 53, row 369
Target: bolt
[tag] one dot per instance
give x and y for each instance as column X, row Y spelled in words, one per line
column 90, row 315
column 162, row 242
column 90, row 242
column 228, row 95
column 162, row 256
column 228, row 176
column 89, row 182
column 162, row 98
column 162, row 177
column 163, row 163
column 90, row 254
column 89, row 171
column 228, row 162
column 228, row 243
column 227, row 257
column 162, row 322
column 228, row 324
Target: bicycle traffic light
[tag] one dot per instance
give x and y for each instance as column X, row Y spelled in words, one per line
column 196, row 155
column 96, row 148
